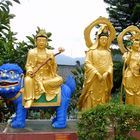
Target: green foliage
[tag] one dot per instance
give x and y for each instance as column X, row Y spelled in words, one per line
column 6, row 35
column 7, row 51
column 117, row 75
column 17, row 1
column 78, row 74
column 123, row 13
column 41, row 113
column 99, row 122
column 5, row 110
column 5, row 17
column 117, row 72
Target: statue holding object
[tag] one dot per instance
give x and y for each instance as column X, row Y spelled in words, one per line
column 43, row 79
column 98, row 80
column 131, row 68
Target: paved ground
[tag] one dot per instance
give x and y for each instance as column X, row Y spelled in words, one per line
column 2, row 126
column 40, row 126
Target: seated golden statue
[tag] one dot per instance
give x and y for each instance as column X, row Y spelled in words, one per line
column 42, row 80
column 98, row 79
column 131, row 69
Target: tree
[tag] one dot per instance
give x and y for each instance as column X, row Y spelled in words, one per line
column 123, row 13
column 109, row 122
column 12, row 51
column 78, row 75
column 6, row 35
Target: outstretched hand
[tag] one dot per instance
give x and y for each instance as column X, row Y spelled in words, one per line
column 60, row 49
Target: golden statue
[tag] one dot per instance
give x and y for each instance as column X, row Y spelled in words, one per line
column 131, row 69
column 41, row 76
column 98, row 79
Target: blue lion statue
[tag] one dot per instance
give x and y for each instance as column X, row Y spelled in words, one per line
column 11, row 88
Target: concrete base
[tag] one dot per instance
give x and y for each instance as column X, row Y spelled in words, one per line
column 40, row 130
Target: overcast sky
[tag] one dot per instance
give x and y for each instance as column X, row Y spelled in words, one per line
column 65, row 19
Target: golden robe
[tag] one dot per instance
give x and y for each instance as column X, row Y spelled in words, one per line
column 131, row 78
column 45, row 80
column 96, row 91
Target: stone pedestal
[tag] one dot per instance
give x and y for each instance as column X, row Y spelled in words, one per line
column 40, row 130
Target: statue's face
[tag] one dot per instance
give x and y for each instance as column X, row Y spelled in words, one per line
column 11, row 79
column 103, row 41
column 41, row 42
column 136, row 45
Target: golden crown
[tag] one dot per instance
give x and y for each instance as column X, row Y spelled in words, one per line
column 42, row 33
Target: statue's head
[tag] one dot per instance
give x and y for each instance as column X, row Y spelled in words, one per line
column 11, row 80
column 103, row 40
column 103, row 37
column 41, row 39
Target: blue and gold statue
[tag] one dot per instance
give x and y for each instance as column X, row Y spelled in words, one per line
column 43, row 87
column 11, row 88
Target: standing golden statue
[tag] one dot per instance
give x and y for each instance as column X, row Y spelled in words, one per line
column 131, row 69
column 41, row 77
column 98, row 80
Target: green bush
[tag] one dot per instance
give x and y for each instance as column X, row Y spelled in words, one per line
column 108, row 121
column 78, row 74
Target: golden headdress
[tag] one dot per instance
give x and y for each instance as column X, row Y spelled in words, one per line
column 106, row 26
column 42, row 33
column 103, row 29
column 135, row 35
